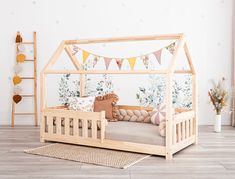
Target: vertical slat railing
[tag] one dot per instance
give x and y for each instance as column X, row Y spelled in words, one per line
column 66, row 126
column 84, row 128
column 75, row 127
column 58, row 125
column 50, row 124
column 94, row 129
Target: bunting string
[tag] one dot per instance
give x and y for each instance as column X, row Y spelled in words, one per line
column 119, row 61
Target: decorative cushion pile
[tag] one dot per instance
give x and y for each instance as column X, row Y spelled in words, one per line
column 133, row 115
column 107, row 103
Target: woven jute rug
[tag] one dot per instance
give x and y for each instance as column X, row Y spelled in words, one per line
column 91, row 155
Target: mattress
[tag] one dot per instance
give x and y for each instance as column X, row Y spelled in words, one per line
column 137, row 132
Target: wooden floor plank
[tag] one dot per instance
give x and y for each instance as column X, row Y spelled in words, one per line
column 213, row 157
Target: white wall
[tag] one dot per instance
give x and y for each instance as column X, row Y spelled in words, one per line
column 206, row 23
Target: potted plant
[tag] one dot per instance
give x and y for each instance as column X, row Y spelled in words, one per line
column 219, row 97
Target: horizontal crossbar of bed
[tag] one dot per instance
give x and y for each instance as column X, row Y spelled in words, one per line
column 114, row 71
column 125, row 39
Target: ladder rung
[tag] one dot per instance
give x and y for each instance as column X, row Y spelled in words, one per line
column 29, row 60
column 26, row 113
column 28, row 95
column 27, row 78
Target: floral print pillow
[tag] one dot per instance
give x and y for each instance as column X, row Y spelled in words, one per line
column 84, row 104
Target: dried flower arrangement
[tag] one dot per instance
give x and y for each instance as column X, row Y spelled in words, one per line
column 219, row 95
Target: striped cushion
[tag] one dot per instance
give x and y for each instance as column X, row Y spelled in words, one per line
column 158, row 114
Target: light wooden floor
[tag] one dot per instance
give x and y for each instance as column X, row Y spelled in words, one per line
column 214, row 157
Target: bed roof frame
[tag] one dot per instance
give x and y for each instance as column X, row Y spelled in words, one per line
column 168, row 73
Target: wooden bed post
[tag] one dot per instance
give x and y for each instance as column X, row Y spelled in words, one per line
column 194, row 106
column 168, row 100
column 43, row 105
column 194, row 92
column 169, row 85
column 82, row 85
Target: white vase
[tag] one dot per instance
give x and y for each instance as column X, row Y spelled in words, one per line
column 217, row 123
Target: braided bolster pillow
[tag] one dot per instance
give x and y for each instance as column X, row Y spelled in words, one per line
column 139, row 116
column 133, row 115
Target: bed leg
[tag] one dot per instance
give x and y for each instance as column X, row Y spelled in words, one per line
column 169, row 156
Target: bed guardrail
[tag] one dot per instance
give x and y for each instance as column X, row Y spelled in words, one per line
column 69, row 123
column 183, row 129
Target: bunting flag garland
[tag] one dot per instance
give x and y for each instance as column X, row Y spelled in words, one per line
column 85, row 55
column 17, row 98
column 132, row 62
column 171, row 48
column 157, row 54
column 18, row 68
column 16, row 80
column 18, row 38
column 75, row 50
column 21, row 47
column 119, row 63
column 107, row 62
column 17, row 89
column 146, row 61
column 20, row 58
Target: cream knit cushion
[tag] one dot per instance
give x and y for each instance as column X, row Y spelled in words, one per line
column 133, row 115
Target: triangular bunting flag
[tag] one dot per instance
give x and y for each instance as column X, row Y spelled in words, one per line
column 132, row 62
column 75, row 50
column 157, row 54
column 107, row 62
column 171, row 48
column 95, row 61
column 146, row 61
column 119, row 63
column 85, row 55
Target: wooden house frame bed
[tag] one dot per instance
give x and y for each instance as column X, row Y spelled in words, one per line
column 181, row 128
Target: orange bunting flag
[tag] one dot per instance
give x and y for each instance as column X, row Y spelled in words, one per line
column 119, row 63
column 85, row 55
column 158, row 54
column 132, row 62
column 107, row 62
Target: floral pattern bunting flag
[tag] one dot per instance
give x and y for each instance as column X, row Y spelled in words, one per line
column 119, row 63
column 95, row 61
column 171, row 48
column 85, row 55
column 158, row 54
column 132, row 62
column 75, row 50
column 107, row 62
column 146, row 61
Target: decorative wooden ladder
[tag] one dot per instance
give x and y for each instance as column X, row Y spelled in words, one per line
column 34, row 77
